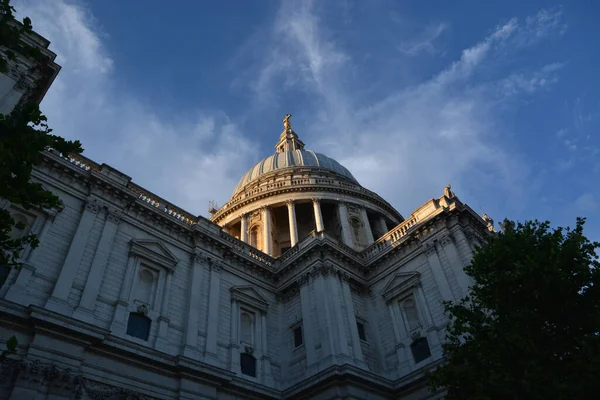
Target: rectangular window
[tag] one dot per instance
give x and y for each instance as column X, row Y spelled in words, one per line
column 298, row 339
column 361, row 331
column 420, row 350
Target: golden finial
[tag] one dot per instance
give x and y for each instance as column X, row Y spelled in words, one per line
column 286, row 122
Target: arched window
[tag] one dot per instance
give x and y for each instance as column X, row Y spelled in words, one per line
column 138, row 325
column 412, row 315
column 246, row 325
column 255, row 236
column 144, row 286
column 248, row 364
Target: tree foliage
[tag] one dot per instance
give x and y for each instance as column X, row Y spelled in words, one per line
column 24, row 133
column 530, row 328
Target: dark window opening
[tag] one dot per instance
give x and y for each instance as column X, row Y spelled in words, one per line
column 284, row 249
column 420, row 350
column 248, row 364
column 361, row 331
column 138, row 326
column 298, row 339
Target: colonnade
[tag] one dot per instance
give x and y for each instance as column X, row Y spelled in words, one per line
column 342, row 211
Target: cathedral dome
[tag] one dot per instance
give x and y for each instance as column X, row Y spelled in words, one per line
column 291, row 159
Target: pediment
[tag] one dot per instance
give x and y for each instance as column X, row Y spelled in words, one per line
column 400, row 283
column 250, row 296
column 154, row 251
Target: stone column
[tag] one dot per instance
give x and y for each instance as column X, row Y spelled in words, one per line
column 382, row 226
column 400, row 333
column 244, row 228
column 438, row 272
column 351, row 316
column 190, row 348
column 235, row 340
column 292, row 218
column 58, row 301
column 17, row 292
column 343, row 216
column 267, row 242
column 162, row 338
column 318, row 216
column 367, row 225
column 85, row 310
column 308, row 330
column 211, row 354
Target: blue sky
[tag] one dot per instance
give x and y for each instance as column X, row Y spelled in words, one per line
column 500, row 99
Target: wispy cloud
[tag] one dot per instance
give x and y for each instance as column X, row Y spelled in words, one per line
column 412, row 142
column 189, row 159
column 425, row 41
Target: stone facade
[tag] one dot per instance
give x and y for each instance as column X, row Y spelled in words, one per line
column 225, row 320
column 305, row 285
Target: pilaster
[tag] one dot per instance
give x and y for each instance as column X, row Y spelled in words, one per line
column 351, row 317
column 438, row 272
column 382, row 226
column 191, row 348
column 235, row 340
column 211, row 355
column 17, row 292
column 120, row 316
column 266, row 378
column 457, row 264
column 162, row 338
column 64, row 282
column 308, row 330
column 85, row 310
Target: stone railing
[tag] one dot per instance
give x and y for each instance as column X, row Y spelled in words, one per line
column 306, row 241
column 163, row 205
column 390, row 239
column 246, row 249
column 259, row 188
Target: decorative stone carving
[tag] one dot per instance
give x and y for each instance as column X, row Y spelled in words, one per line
column 114, row 215
column 93, row 206
column 448, row 192
column 303, row 279
column 201, row 258
column 445, row 239
column 429, row 249
column 216, row 266
column 143, row 309
column 101, row 391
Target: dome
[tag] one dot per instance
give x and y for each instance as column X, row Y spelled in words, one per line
column 294, row 158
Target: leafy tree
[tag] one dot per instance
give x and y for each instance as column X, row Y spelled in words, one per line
column 24, row 133
column 530, row 328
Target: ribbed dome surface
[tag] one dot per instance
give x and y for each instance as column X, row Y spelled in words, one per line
column 296, row 158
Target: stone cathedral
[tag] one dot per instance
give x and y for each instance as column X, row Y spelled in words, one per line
column 304, row 285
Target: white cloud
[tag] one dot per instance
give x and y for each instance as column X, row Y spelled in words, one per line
column 187, row 160
column 425, row 41
column 411, row 143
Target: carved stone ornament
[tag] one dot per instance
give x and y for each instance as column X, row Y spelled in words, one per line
column 101, row 391
column 201, row 258
column 303, row 279
column 445, row 239
column 142, row 308
column 216, row 266
column 93, row 206
column 114, row 215
column 429, row 249
column 415, row 335
column 249, row 349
